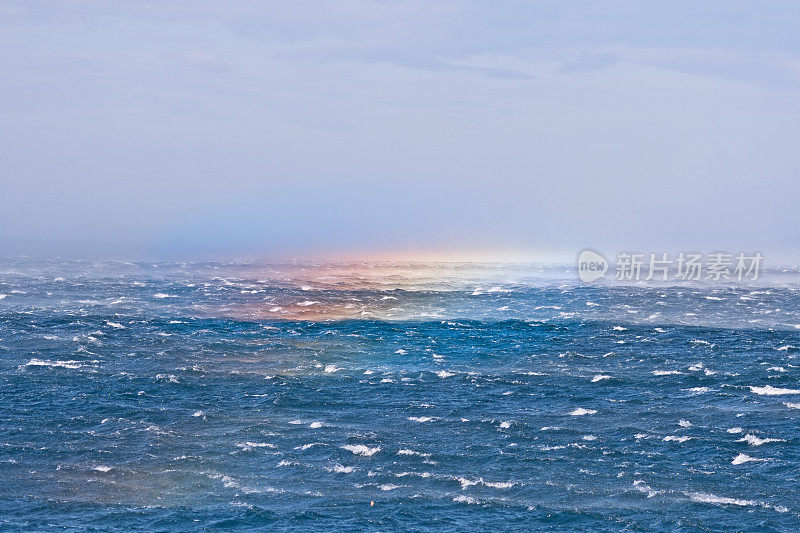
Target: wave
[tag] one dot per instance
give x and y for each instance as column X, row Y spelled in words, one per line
column 769, row 390
column 360, row 449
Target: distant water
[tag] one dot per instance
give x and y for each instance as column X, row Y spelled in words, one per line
column 178, row 397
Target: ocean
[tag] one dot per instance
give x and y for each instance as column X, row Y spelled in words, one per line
column 154, row 396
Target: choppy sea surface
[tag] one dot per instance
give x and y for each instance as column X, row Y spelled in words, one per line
column 378, row 397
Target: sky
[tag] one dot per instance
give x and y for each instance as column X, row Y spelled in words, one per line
column 272, row 129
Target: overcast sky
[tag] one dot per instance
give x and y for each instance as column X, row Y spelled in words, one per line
column 256, row 128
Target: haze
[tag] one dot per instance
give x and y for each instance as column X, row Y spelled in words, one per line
column 271, row 128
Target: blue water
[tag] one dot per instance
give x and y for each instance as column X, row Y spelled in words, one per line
column 173, row 397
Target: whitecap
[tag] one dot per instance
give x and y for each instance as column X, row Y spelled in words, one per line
column 711, row 498
column 418, row 474
column 580, row 411
column 641, row 486
column 600, row 377
column 769, row 390
column 248, row 446
column 743, row 458
column 666, row 372
column 467, row 482
column 406, row 451
column 756, row 441
column 444, row 374
column 315, row 425
column 61, row 364
column 420, row 418
column 360, row 449
column 499, row 484
column 701, row 497
column 673, row 438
